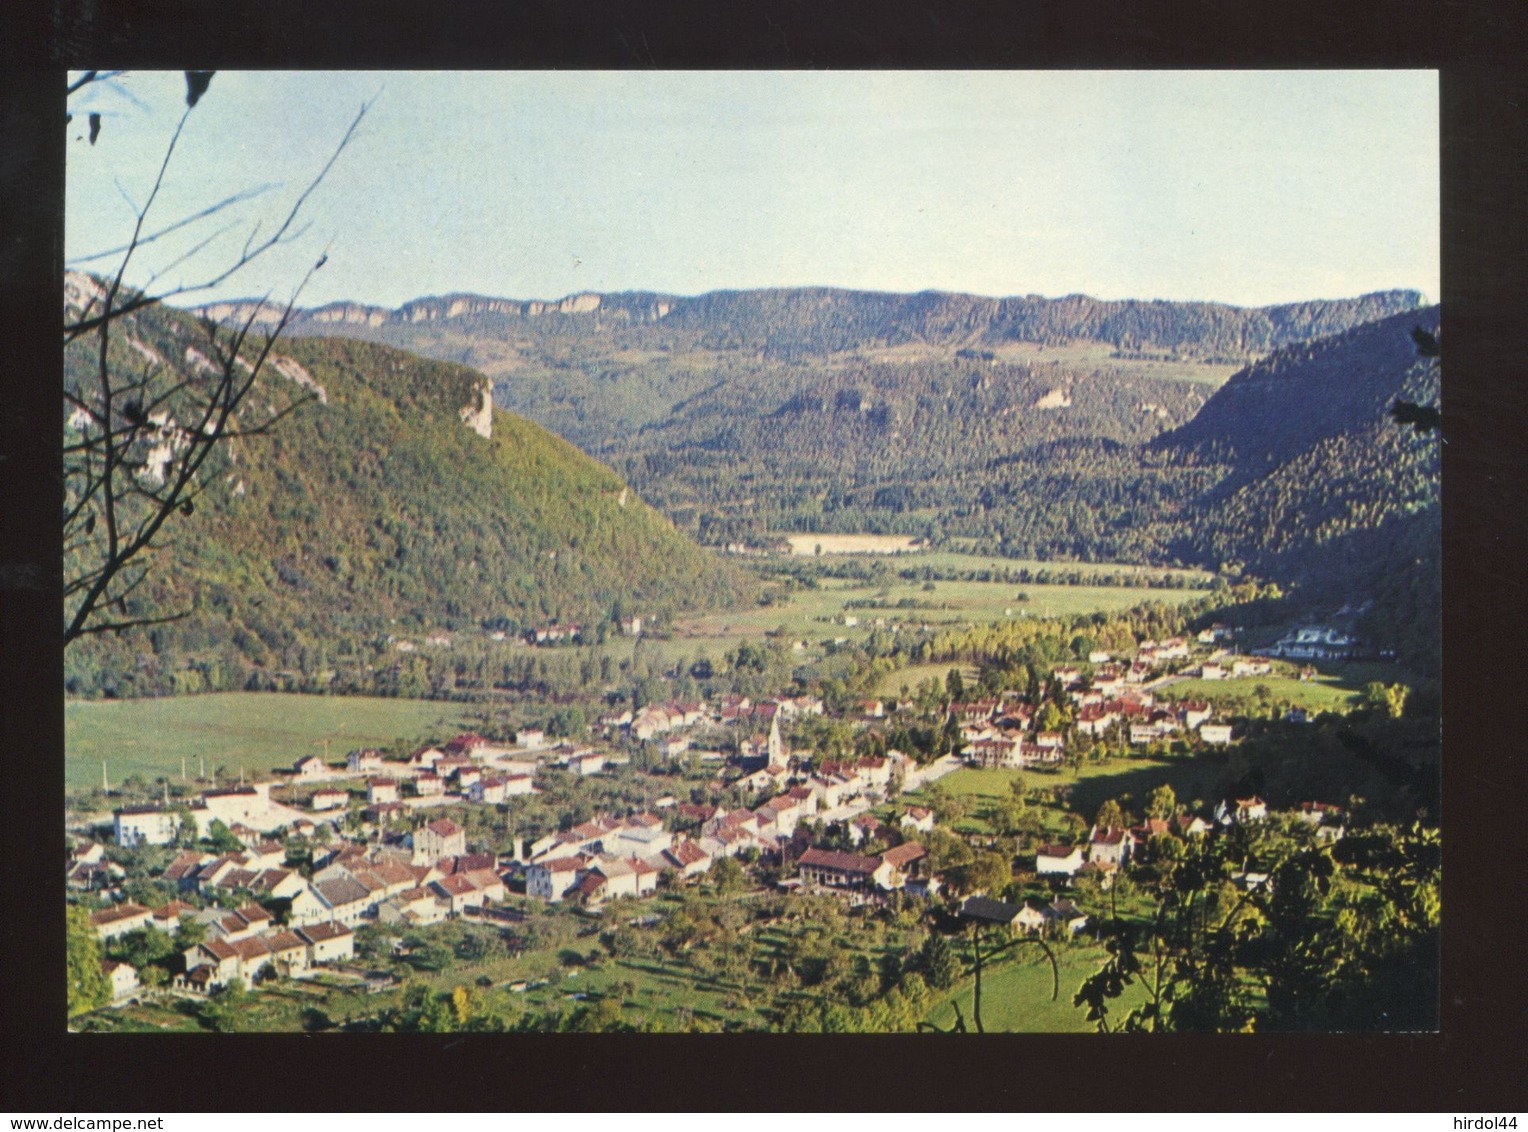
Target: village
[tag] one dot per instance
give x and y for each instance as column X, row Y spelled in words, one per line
column 272, row 879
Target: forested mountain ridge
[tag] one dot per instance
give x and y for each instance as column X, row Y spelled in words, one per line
column 1319, row 487
column 824, row 409
column 1304, row 393
column 826, row 319
column 380, row 510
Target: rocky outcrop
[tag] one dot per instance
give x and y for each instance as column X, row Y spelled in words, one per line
column 477, row 414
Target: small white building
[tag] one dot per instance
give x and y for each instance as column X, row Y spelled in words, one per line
column 1058, row 860
column 145, row 825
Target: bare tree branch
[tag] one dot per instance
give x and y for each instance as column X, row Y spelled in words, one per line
column 145, row 438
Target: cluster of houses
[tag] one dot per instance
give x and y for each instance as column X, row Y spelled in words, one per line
column 667, row 722
column 239, row 945
column 1106, row 849
column 1058, row 917
column 1314, row 642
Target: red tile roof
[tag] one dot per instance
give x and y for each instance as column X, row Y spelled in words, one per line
column 904, row 854
column 319, row 933
column 842, row 862
column 120, row 912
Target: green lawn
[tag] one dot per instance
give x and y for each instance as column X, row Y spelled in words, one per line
column 1336, row 688
column 252, row 730
column 1016, row 993
column 914, row 674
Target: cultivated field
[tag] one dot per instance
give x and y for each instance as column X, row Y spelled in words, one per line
column 811, row 545
column 250, row 730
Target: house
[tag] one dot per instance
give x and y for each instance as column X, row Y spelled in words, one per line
column 457, row 892
column 428, row 784
column 830, row 868
column 327, row 943
column 1108, row 848
column 488, row 790
column 109, row 923
column 425, row 758
column 1190, row 825
column 289, row 952
column 1251, row 809
column 1067, row 916
column 309, row 767
column 468, row 743
column 1218, row 734
column 1032, row 919
column 167, row 917
column 344, row 899
column 625, row 876
column 329, row 799
column 122, row 978
column 211, row 964
column 551, row 879
column 900, row 863
column 1194, row 713
column 1058, row 860
column 1318, row 813
column 361, row 761
column 1141, row 835
column 867, row 825
column 1315, row 642
column 413, row 906
column 589, row 762
column 686, row 858
column 986, row 910
column 379, row 790
column 439, row 838
column 145, row 825
column 255, row 956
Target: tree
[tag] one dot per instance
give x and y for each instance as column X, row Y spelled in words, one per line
column 221, row 838
column 88, row 987
column 955, row 685
column 226, row 1008
column 1163, row 802
column 143, row 443
column 937, row 962
column 727, row 875
column 987, row 872
column 1110, row 816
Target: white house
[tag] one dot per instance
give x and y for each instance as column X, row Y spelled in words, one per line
column 1058, row 860
column 437, row 839
column 329, row 799
column 549, row 879
column 1216, row 733
column 123, row 978
column 120, row 920
column 145, row 825
column 328, row 943
column 309, row 767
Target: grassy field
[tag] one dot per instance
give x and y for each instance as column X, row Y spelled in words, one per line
column 811, row 545
column 914, row 674
column 1337, row 688
column 819, row 613
column 1016, row 993
column 253, row 730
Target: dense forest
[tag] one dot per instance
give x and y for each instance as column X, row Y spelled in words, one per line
column 1067, row 429
column 374, row 511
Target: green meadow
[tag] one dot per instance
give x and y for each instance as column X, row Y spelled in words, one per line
column 253, row 731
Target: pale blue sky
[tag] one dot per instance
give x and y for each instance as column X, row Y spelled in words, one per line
column 1242, row 187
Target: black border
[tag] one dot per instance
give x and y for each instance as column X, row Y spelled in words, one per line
column 1476, row 1064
